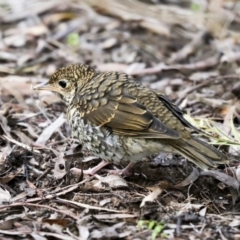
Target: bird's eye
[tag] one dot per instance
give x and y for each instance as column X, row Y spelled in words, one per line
column 62, row 83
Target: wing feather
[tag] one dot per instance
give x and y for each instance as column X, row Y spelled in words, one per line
column 126, row 116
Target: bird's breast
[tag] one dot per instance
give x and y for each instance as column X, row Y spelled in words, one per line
column 98, row 140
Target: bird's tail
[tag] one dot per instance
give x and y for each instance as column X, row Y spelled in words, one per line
column 200, row 153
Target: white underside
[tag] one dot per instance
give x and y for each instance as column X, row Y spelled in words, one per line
column 111, row 147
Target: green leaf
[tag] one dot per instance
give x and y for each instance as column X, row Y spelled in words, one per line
column 195, row 7
column 157, row 227
column 157, row 230
column 142, row 223
column 73, row 40
column 151, row 224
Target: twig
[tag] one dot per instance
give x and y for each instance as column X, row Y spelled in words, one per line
column 64, row 190
column 183, row 68
column 202, row 84
column 83, row 205
column 40, row 206
column 30, row 149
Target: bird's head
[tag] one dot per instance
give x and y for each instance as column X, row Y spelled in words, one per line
column 66, row 81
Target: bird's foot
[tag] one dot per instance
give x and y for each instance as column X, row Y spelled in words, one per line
column 94, row 170
column 91, row 171
column 127, row 171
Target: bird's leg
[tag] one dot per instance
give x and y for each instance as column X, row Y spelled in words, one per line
column 125, row 171
column 95, row 169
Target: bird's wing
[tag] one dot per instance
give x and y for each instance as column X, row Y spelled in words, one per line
column 126, row 116
column 177, row 112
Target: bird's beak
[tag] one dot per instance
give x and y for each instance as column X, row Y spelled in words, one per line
column 44, row 86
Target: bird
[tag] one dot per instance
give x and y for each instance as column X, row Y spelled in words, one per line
column 120, row 120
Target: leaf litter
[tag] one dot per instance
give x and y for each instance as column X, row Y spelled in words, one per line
column 192, row 57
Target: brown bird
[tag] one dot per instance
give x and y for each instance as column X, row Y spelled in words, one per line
column 118, row 119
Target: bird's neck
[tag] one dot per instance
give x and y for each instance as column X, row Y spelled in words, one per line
column 64, row 99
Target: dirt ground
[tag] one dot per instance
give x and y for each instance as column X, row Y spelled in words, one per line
column 188, row 50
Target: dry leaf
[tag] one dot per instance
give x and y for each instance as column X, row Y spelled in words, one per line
column 110, row 181
column 190, row 179
column 220, row 176
column 47, row 132
column 152, row 196
column 59, row 168
column 5, row 196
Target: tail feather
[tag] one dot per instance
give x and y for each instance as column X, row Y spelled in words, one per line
column 200, row 153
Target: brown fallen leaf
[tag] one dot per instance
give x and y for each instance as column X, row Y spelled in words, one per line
column 18, row 86
column 110, row 181
column 58, row 221
column 194, row 175
column 23, row 137
column 10, row 176
column 220, row 176
column 111, row 232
